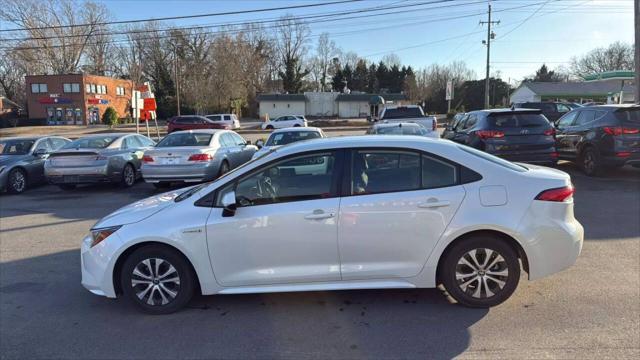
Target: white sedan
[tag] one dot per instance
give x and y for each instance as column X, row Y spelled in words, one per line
column 286, row 136
column 284, row 122
column 342, row 213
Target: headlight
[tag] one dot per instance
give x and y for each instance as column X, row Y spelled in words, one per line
column 98, row 235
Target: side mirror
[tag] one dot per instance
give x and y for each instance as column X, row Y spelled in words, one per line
column 229, row 204
column 40, row 153
column 260, row 143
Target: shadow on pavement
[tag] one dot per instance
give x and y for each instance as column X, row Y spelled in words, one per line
column 45, row 312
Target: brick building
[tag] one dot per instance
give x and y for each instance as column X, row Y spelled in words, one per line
column 78, row 99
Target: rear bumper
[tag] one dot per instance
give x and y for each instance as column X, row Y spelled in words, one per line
column 181, row 173
column 633, row 159
column 80, row 175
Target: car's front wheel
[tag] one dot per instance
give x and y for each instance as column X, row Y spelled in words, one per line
column 17, row 181
column 590, row 162
column 157, row 279
column 480, row 271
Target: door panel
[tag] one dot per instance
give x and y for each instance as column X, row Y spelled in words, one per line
column 392, row 234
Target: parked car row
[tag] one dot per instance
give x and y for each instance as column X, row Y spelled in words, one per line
column 595, row 137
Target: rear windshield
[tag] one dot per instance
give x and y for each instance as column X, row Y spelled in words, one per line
column 403, row 112
column 15, row 147
column 494, row 159
column 185, row 139
column 402, row 130
column 517, row 120
column 97, row 142
column 628, row 115
column 284, row 138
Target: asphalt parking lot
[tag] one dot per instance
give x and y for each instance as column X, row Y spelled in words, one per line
column 591, row 310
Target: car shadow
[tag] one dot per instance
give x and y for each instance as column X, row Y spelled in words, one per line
column 43, row 303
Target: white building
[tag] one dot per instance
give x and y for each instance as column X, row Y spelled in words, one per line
column 275, row 105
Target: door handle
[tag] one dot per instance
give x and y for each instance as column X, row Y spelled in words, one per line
column 434, row 203
column 319, row 215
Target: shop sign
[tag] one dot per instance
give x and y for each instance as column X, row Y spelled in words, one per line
column 54, row 100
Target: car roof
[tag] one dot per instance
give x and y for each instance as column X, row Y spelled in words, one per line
column 201, row 131
column 106, row 134
column 297, row 129
column 612, row 106
column 507, row 110
column 395, row 124
column 26, row 137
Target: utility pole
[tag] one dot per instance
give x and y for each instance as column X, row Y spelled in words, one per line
column 490, row 36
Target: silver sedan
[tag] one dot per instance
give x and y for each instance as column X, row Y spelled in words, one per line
column 195, row 156
column 112, row 158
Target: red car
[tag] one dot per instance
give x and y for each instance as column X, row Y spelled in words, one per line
column 191, row 122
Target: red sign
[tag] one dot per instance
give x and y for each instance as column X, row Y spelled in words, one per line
column 150, row 104
column 145, row 115
column 54, row 100
column 143, row 88
column 97, row 101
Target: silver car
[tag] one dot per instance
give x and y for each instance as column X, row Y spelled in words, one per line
column 22, row 160
column 110, row 158
column 195, row 156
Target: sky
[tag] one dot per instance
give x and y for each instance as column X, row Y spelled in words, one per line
column 530, row 32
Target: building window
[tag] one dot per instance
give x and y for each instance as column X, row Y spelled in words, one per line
column 71, row 88
column 93, row 88
column 88, row 88
column 120, row 91
column 39, row 88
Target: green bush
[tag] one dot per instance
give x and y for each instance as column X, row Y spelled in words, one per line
column 110, row 117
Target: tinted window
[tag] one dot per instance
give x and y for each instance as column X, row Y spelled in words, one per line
column 185, row 139
column 227, row 118
column 15, row 147
column 471, row 121
column 283, row 138
column 547, row 107
column 302, row 178
column 585, row 117
column 567, row 120
column 437, row 173
column 402, row 130
column 94, row 142
column 402, row 112
column 214, row 117
column 493, row 159
column 630, row 115
column 384, row 171
column 508, row 120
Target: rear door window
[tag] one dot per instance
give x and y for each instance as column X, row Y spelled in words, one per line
column 585, row 117
column 437, row 173
column 471, row 122
column 227, row 117
column 567, row 120
column 383, row 171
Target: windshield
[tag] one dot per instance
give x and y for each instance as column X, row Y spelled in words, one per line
column 15, row 147
column 283, row 138
column 517, row 120
column 94, row 142
column 185, row 139
column 494, row 159
column 402, row 112
column 402, row 130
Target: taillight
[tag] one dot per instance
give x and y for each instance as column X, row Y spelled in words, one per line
column 486, row 134
column 435, row 124
column 555, row 155
column 623, row 154
column 557, row 195
column 147, row 158
column 550, row 132
column 200, row 157
column 619, row 130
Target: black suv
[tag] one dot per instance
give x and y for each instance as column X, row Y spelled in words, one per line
column 552, row 110
column 600, row 136
column 514, row 134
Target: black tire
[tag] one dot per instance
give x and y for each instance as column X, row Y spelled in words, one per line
column 470, row 295
column 296, row 125
column 17, row 181
column 128, row 178
column 67, row 187
column 590, row 162
column 152, row 301
column 161, row 185
column 269, row 127
column 224, row 168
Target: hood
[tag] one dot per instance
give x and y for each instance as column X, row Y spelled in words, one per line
column 139, row 210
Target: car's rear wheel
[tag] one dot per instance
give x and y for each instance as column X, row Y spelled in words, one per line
column 480, row 271
column 269, row 127
column 224, row 168
column 157, row 279
column 17, row 181
column 128, row 176
column 590, row 162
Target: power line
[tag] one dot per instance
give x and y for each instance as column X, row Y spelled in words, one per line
column 185, row 16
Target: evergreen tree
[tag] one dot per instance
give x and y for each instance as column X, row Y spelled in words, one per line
column 372, row 81
column 382, row 74
column 360, row 80
column 337, row 81
column 293, row 75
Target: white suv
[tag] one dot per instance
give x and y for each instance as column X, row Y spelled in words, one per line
column 229, row 119
column 284, row 122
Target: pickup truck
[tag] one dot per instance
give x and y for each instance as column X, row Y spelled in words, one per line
column 411, row 114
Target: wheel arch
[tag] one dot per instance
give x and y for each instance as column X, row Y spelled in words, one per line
column 509, row 240
column 117, row 268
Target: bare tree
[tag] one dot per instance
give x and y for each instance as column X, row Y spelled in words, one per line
column 292, row 37
column 617, row 56
column 322, row 62
column 391, row 60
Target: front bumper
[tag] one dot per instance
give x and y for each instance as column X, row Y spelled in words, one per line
column 95, row 265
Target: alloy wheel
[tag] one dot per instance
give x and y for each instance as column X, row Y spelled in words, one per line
column 482, row 273
column 129, row 175
column 589, row 162
column 155, row 281
column 18, row 181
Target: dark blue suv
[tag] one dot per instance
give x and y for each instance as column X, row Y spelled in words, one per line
column 514, row 134
column 597, row 137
